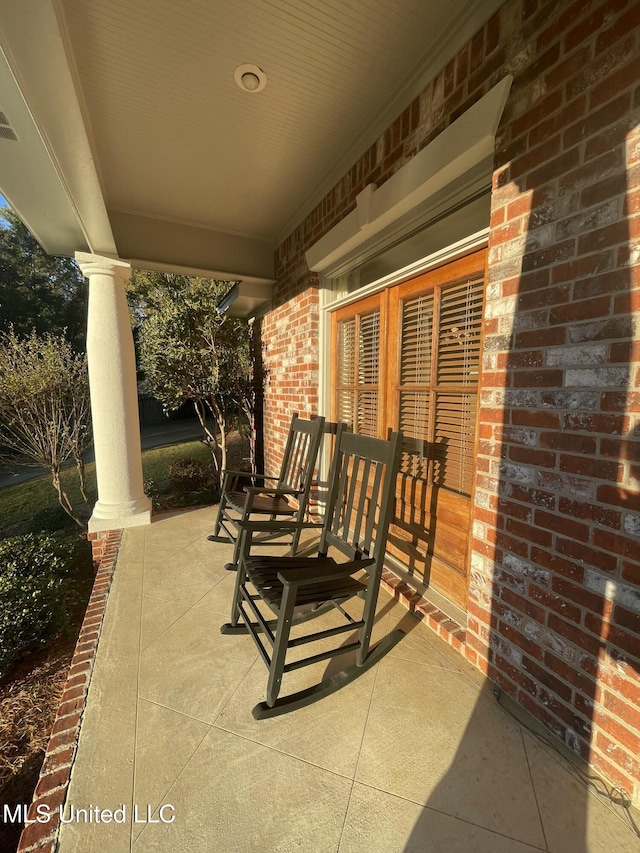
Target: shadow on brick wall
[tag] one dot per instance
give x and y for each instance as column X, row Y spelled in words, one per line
column 562, row 586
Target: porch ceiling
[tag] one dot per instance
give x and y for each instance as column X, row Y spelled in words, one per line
column 157, row 153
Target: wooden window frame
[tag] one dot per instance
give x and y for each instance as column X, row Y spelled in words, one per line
column 431, row 532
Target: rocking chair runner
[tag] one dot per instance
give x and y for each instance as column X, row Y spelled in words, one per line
column 296, row 589
column 286, row 495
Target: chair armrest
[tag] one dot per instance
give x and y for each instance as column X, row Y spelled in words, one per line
column 269, row 490
column 252, row 526
column 329, row 571
column 229, row 473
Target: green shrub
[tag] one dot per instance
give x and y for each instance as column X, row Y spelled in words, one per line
column 151, row 490
column 40, row 582
column 50, row 519
column 190, row 475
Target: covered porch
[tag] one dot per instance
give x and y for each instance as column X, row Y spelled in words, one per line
column 322, row 182
column 416, row 755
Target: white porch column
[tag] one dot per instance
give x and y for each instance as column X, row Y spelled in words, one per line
column 114, row 397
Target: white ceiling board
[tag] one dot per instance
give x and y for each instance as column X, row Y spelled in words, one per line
column 140, row 119
column 176, row 138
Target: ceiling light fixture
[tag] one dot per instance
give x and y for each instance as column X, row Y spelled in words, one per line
column 250, row 78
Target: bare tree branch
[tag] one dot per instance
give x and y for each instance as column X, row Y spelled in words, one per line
column 44, row 406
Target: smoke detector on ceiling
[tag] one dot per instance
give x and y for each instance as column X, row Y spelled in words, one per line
column 250, row 78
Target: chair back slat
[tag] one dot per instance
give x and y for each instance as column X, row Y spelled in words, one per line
column 364, row 469
column 288, row 449
column 331, row 432
column 300, row 454
column 348, row 509
column 360, row 501
column 336, row 497
column 371, row 519
column 293, row 466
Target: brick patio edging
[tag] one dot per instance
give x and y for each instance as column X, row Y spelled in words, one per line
column 51, row 790
column 445, row 627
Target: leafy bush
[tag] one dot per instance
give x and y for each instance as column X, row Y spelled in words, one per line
column 151, row 489
column 50, row 519
column 39, row 584
column 190, row 475
column 189, row 351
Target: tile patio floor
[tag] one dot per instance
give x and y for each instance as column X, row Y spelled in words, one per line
column 416, row 755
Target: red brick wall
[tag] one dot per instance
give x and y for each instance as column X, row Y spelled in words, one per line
column 290, row 355
column 554, row 599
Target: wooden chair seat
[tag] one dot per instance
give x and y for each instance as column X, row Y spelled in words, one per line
column 262, row 504
column 264, row 574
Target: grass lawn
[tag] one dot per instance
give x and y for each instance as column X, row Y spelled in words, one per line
column 156, row 462
column 25, row 502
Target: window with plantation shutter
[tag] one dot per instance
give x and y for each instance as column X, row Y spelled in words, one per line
column 346, row 371
column 358, row 371
column 458, row 367
column 415, row 381
column 459, row 332
column 410, row 360
column 439, row 365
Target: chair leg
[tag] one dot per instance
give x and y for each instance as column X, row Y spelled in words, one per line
column 283, row 630
column 235, row 560
column 227, row 485
column 368, row 617
column 295, row 539
column 221, row 508
column 229, row 627
column 239, row 546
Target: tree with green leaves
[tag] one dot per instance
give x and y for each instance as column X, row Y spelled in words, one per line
column 38, row 291
column 44, row 406
column 189, row 351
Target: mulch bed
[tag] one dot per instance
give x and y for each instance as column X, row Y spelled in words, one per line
column 29, row 696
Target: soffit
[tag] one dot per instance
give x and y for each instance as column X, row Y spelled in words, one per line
column 132, row 139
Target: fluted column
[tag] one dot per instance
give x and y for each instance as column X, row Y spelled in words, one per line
column 114, row 397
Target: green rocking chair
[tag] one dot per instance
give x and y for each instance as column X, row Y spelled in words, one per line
column 284, row 497
column 348, row 564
